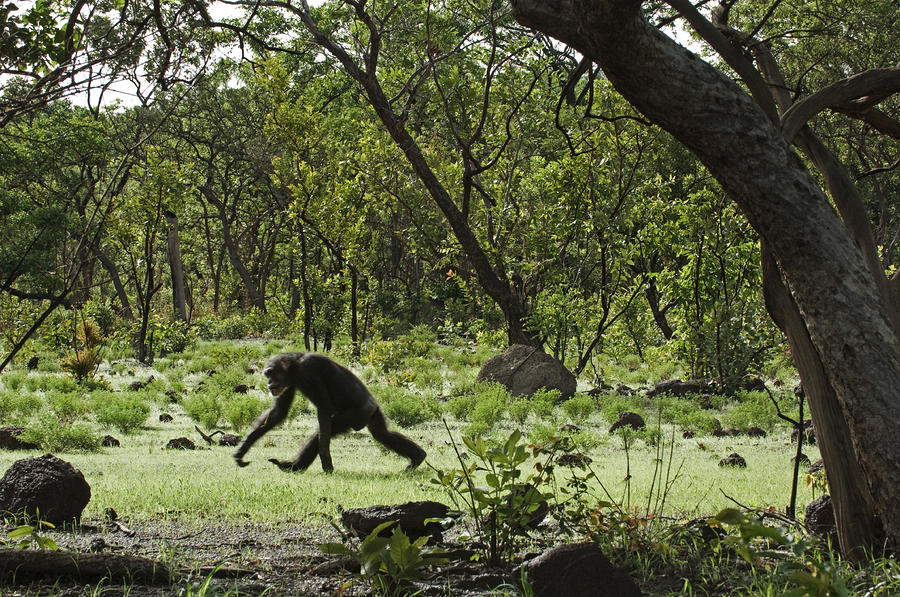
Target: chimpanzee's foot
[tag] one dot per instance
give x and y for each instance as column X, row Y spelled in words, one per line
column 285, row 465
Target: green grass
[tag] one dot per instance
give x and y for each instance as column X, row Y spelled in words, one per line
column 142, row 480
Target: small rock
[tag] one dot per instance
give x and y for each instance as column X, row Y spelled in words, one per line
column 9, row 439
column 97, row 545
column 577, row 570
column 180, row 443
column 165, row 418
column 756, row 432
column 229, row 439
column 109, row 441
column 733, row 459
column 820, row 516
column 634, row 420
column 411, row 517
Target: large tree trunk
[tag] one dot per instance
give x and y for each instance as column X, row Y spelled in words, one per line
column 854, row 508
column 838, row 298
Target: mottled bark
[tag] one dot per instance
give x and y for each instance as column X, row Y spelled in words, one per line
column 829, row 279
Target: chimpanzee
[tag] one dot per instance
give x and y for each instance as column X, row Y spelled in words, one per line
column 342, row 403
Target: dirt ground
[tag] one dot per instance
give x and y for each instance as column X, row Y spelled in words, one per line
column 246, row 560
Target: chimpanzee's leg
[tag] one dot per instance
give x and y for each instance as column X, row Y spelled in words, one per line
column 310, row 450
column 266, row 421
column 394, row 441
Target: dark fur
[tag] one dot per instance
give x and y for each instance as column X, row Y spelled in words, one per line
column 342, row 403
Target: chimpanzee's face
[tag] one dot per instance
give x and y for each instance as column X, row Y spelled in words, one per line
column 276, row 372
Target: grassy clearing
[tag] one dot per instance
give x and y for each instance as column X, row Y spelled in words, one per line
column 420, row 385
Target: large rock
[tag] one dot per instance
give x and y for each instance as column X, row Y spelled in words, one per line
column 577, row 570
column 45, row 487
column 525, row 369
column 411, row 517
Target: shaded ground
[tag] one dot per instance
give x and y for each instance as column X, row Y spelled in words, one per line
column 250, row 559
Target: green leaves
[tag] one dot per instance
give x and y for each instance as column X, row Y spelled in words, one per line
column 389, row 563
column 28, row 536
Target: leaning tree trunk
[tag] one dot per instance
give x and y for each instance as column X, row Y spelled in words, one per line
column 854, row 508
column 841, row 304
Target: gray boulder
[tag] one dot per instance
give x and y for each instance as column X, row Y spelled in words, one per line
column 525, row 369
column 46, row 488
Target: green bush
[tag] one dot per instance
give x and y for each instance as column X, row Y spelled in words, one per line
column 519, row 409
column 126, row 411
column 461, row 406
column 13, row 379
column 407, row 409
column 612, row 405
column 17, row 407
column 53, row 436
column 490, row 405
column 204, row 408
column 755, row 409
column 543, row 403
column 242, row 409
column 579, row 408
column 67, row 407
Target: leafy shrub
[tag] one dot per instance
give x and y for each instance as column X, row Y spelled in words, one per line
column 461, row 406
column 611, row 406
column 242, row 409
column 67, row 407
column 579, row 408
column 53, row 436
column 754, row 409
column 174, row 336
column 233, row 327
column 519, row 409
column 204, row 408
column 543, row 403
column 13, row 379
column 125, row 411
column 86, row 358
column 16, row 407
column 407, row 409
column 490, row 404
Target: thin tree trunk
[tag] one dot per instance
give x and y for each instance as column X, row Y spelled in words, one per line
column 178, row 301
column 110, row 266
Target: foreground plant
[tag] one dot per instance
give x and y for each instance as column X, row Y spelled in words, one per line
column 508, row 508
column 388, row 564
